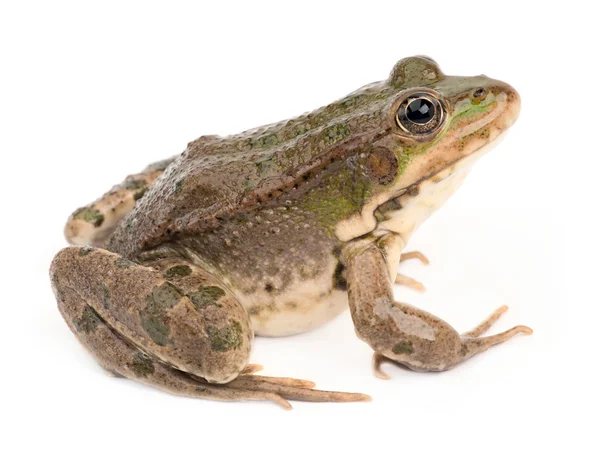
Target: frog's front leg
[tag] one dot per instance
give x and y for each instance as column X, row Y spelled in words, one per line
column 400, row 332
column 172, row 325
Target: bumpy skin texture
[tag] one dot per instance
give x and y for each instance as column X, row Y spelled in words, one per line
column 265, row 231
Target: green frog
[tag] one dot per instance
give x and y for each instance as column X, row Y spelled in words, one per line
column 275, row 231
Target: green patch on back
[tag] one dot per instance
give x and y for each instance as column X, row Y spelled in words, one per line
column 123, row 263
column 161, row 165
column 206, row 296
column 142, row 365
column 264, row 166
column 90, row 215
column 139, row 193
column 134, row 184
column 89, row 321
column 178, row 186
column 337, row 197
column 264, row 141
column 336, row 133
column 226, row 338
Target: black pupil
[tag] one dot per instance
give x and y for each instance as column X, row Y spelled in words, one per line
column 420, row 111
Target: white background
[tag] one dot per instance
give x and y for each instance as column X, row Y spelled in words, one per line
column 90, row 92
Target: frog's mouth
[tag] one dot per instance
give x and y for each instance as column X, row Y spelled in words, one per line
column 404, row 212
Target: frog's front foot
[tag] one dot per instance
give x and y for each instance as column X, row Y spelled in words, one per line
column 471, row 347
column 404, row 334
column 408, row 281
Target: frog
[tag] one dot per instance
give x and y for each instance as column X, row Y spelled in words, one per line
column 277, row 230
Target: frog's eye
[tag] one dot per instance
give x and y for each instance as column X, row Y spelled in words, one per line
column 420, row 114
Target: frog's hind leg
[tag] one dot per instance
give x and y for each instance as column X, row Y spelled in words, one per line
column 173, row 326
column 93, row 223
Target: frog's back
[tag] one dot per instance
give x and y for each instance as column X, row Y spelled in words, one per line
column 216, row 177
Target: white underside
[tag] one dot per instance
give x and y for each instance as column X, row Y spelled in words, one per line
column 304, row 305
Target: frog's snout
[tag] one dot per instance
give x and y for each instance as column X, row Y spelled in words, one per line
column 511, row 102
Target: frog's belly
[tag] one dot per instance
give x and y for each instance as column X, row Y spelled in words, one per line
column 304, row 304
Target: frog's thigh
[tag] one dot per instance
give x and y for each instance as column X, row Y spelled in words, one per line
column 125, row 313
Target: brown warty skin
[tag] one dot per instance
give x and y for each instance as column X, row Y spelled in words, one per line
column 274, row 231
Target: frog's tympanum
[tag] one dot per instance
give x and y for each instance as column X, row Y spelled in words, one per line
column 275, row 231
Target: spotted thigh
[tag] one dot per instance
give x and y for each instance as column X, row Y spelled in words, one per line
column 173, row 312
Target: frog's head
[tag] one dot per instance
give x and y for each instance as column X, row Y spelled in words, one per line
column 436, row 126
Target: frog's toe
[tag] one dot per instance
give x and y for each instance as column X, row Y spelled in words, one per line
column 409, row 282
column 251, row 368
column 293, row 389
column 378, row 359
column 415, row 255
column 486, row 324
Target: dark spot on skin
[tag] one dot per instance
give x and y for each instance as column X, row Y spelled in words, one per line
column 177, row 272
column 153, row 320
column 337, row 251
column 164, row 296
column 123, row 263
column 89, row 321
column 339, row 277
column 134, row 184
column 206, row 296
column 226, row 338
column 156, row 329
column 403, row 348
column 413, row 191
column 139, row 194
column 382, row 165
column 85, row 251
column 178, row 186
column 89, row 215
column 106, row 300
column 269, row 288
column 254, row 310
column 141, row 365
